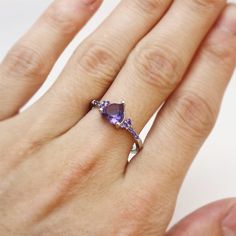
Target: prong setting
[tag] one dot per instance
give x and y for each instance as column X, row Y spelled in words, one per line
column 115, row 114
column 118, row 125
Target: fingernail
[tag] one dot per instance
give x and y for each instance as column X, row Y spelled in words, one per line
column 228, row 19
column 229, row 223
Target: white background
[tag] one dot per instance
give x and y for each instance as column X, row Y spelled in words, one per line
column 213, row 174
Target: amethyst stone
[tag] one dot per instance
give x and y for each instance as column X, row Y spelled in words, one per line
column 114, row 113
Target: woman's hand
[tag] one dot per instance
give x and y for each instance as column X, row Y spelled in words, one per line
column 63, row 169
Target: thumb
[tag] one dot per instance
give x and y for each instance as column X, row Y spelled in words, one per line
column 216, row 219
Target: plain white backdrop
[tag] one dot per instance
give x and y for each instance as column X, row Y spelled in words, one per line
column 213, row 173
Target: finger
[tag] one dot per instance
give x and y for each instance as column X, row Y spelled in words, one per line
column 95, row 64
column 216, row 219
column 28, row 63
column 80, row 82
column 160, row 60
column 190, row 113
column 155, row 68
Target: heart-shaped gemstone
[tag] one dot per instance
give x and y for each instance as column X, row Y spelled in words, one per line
column 114, row 113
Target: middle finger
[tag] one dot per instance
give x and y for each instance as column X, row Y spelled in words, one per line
column 159, row 62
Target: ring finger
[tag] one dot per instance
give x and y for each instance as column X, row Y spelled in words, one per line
column 159, row 62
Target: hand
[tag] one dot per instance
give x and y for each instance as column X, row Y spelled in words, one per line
column 64, row 169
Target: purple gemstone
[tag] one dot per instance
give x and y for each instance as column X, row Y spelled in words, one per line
column 123, row 125
column 130, row 129
column 114, row 113
column 129, row 123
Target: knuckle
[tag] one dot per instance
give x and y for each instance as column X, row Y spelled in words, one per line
column 61, row 19
column 75, row 169
column 206, row 4
column 195, row 114
column 99, row 62
column 219, row 51
column 83, row 168
column 150, row 6
column 90, row 159
column 142, row 200
column 146, row 201
column 158, row 67
column 25, row 61
column 168, row 173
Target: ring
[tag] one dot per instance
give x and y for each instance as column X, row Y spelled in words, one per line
column 114, row 113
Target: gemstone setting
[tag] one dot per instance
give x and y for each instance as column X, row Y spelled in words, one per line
column 114, row 113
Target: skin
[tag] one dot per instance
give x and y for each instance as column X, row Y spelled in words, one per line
column 64, row 169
